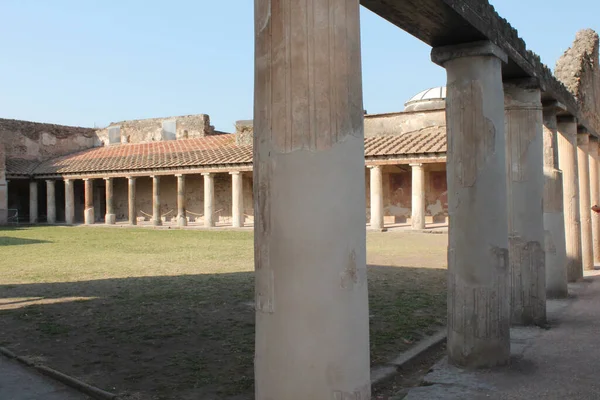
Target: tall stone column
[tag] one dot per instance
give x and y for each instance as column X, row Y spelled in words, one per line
column 209, row 199
column 181, row 213
column 567, row 160
column 527, row 261
column 156, row 219
column 50, row 201
column 478, row 291
column 88, row 212
column 33, row 202
column 237, row 199
column 587, row 255
column 69, row 202
column 132, row 214
column 376, row 197
column 310, row 203
column 418, row 197
column 595, row 197
column 554, row 218
column 110, row 218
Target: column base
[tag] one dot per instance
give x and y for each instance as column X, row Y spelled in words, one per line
column 182, row 221
column 157, row 222
column 110, row 219
column 88, row 216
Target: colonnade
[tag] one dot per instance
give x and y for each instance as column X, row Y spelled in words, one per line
column 110, row 216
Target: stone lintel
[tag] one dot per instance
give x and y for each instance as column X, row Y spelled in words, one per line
column 561, row 119
column 443, row 54
column 554, row 104
column 525, row 83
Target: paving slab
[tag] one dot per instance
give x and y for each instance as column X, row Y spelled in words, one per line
column 18, row 382
column 556, row 363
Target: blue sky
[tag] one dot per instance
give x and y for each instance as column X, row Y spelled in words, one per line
column 92, row 62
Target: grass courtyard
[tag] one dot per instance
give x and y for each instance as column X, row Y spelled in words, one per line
column 168, row 314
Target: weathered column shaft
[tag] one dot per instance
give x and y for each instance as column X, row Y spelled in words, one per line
column 156, row 219
column 527, row 262
column 567, row 161
column 209, row 199
column 109, row 218
column 50, row 201
column 33, row 202
column 312, row 319
column 595, row 197
column 237, row 199
column 181, row 213
column 69, row 202
column 132, row 214
column 478, row 290
column 89, row 217
column 554, row 218
column 587, row 255
column 418, row 197
column 376, row 196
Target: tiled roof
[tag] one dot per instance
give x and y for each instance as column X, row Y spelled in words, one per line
column 207, row 151
column 427, row 140
column 19, row 166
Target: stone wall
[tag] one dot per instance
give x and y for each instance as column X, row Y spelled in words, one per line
column 3, row 187
column 37, row 141
column 402, row 122
column 397, row 193
column 156, row 129
column 578, row 70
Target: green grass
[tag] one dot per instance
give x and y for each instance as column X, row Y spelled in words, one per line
column 168, row 313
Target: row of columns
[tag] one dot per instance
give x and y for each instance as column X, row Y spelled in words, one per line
column 418, row 196
column 110, row 216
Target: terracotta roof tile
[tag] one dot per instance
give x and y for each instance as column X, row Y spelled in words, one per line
column 206, row 151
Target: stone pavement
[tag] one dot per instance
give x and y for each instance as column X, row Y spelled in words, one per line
column 18, row 382
column 559, row 363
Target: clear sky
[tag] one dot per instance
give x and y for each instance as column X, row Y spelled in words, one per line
column 92, row 62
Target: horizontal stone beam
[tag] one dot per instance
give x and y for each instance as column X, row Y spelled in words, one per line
column 449, row 22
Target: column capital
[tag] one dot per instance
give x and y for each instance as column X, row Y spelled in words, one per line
column 235, row 172
column 87, row 179
column 50, row 181
column 562, row 119
column 207, row 173
column 67, row 180
column 553, row 105
column 523, row 83
column 107, row 178
column 416, row 165
column 374, row 166
column 443, row 54
column 131, row 178
column 180, row 175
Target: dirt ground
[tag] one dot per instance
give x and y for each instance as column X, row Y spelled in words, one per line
column 159, row 314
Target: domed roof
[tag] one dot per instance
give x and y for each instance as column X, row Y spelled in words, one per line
column 429, row 94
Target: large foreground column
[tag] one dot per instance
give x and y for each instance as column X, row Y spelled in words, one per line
column 50, row 201
column 312, row 320
column 527, row 263
column 181, row 213
column 33, row 202
column 209, row 199
column 131, row 201
column 587, row 255
column 595, row 197
column 109, row 218
column 567, row 161
column 554, row 218
column 156, row 220
column 237, row 199
column 88, row 213
column 69, row 202
column 418, row 197
column 376, row 196
column 478, row 292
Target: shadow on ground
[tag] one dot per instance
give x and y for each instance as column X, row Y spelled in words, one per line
column 187, row 337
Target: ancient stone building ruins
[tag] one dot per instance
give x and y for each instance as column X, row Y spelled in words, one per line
column 521, row 163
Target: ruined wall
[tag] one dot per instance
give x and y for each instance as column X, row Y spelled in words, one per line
column 403, row 122
column 168, row 197
column 156, row 129
column 243, row 132
column 397, row 193
column 3, row 187
column 36, row 141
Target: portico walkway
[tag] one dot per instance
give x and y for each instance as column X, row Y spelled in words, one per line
column 559, row 363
